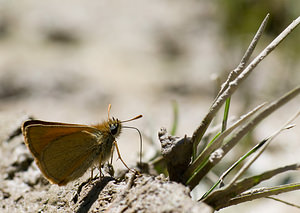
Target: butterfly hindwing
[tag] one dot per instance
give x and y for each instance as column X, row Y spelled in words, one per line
column 68, row 157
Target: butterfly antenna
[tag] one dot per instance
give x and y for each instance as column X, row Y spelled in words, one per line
column 136, row 117
column 141, row 140
column 108, row 110
column 130, row 127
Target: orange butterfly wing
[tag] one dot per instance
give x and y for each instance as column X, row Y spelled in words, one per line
column 63, row 152
column 38, row 134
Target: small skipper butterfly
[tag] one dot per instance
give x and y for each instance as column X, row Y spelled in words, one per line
column 64, row 152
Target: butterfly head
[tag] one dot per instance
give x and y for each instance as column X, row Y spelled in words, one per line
column 114, row 126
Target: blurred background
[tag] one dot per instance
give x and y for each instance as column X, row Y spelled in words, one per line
column 66, row 61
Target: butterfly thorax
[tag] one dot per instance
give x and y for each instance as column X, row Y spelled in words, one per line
column 109, row 130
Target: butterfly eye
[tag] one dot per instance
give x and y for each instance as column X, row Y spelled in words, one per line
column 114, row 129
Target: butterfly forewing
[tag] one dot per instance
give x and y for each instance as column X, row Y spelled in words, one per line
column 38, row 136
column 63, row 152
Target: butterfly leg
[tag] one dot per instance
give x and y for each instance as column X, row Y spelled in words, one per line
column 109, row 168
column 112, row 154
column 119, row 155
column 92, row 174
column 92, row 171
column 99, row 168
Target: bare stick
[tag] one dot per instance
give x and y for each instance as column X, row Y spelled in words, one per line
column 233, row 85
column 194, row 180
column 257, row 193
column 218, row 142
column 223, row 196
column 285, row 202
column 246, row 56
column 256, row 155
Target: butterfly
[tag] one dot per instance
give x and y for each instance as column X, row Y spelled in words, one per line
column 63, row 152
